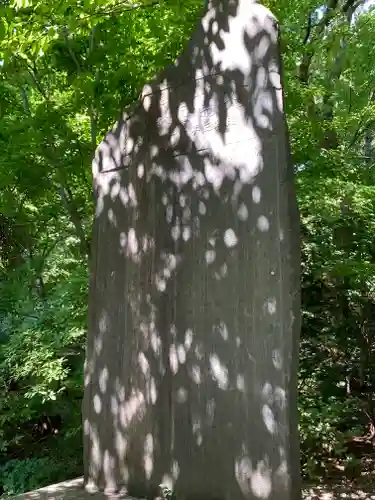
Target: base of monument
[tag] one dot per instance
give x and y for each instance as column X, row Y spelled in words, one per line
column 69, row 490
column 74, row 490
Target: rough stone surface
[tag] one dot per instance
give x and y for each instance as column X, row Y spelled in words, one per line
column 190, row 378
column 67, row 490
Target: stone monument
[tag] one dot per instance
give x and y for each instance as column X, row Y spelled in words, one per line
column 194, row 316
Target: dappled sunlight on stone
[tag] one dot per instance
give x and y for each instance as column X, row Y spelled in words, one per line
column 182, row 395
column 168, row 481
column 131, row 409
column 181, row 354
column 103, row 380
column 280, row 397
column 257, row 481
column 271, row 305
column 143, row 363
column 196, row 374
column 269, row 419
column 263, row 223
column 240, row 383
column 148, row 456
column 219, row 372
column 230, row 238
column 175, row 470
column 121, row 444
column 188, row 339
column 173, row 359
column 97, row 402
column 109, row 468
column 210, row 256
column 261, row 480
column 192, row 289
column 256, row 194
column 277, row 359
column 267, row 393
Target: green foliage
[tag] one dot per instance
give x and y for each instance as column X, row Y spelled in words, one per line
column 41, row 359
column 67, row 68
column 322, row 419
column 18, row 476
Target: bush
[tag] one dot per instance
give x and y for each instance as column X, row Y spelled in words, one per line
column 18, row 476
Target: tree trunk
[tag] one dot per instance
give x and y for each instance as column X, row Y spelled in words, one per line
column 194, row 314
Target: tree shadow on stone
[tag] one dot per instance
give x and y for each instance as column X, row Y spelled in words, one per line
column 190, row 378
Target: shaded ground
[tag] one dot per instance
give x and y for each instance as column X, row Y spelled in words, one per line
column 345, row 490
column 356, row 482
column 360, row 489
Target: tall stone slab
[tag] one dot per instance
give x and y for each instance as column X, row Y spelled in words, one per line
column 190, row 379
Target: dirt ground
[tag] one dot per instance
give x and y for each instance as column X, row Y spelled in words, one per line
column 347, row 491
column 337, row 486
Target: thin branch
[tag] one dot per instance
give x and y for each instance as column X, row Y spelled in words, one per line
column 304, row 68
column 93, row 112
column 91, row 108
column 350, row 100
column 70, row 50
column 118, row 9
column 308, row 30
column 352, row 5
column 361, row 128
column 33, row 73
column 356, row 135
